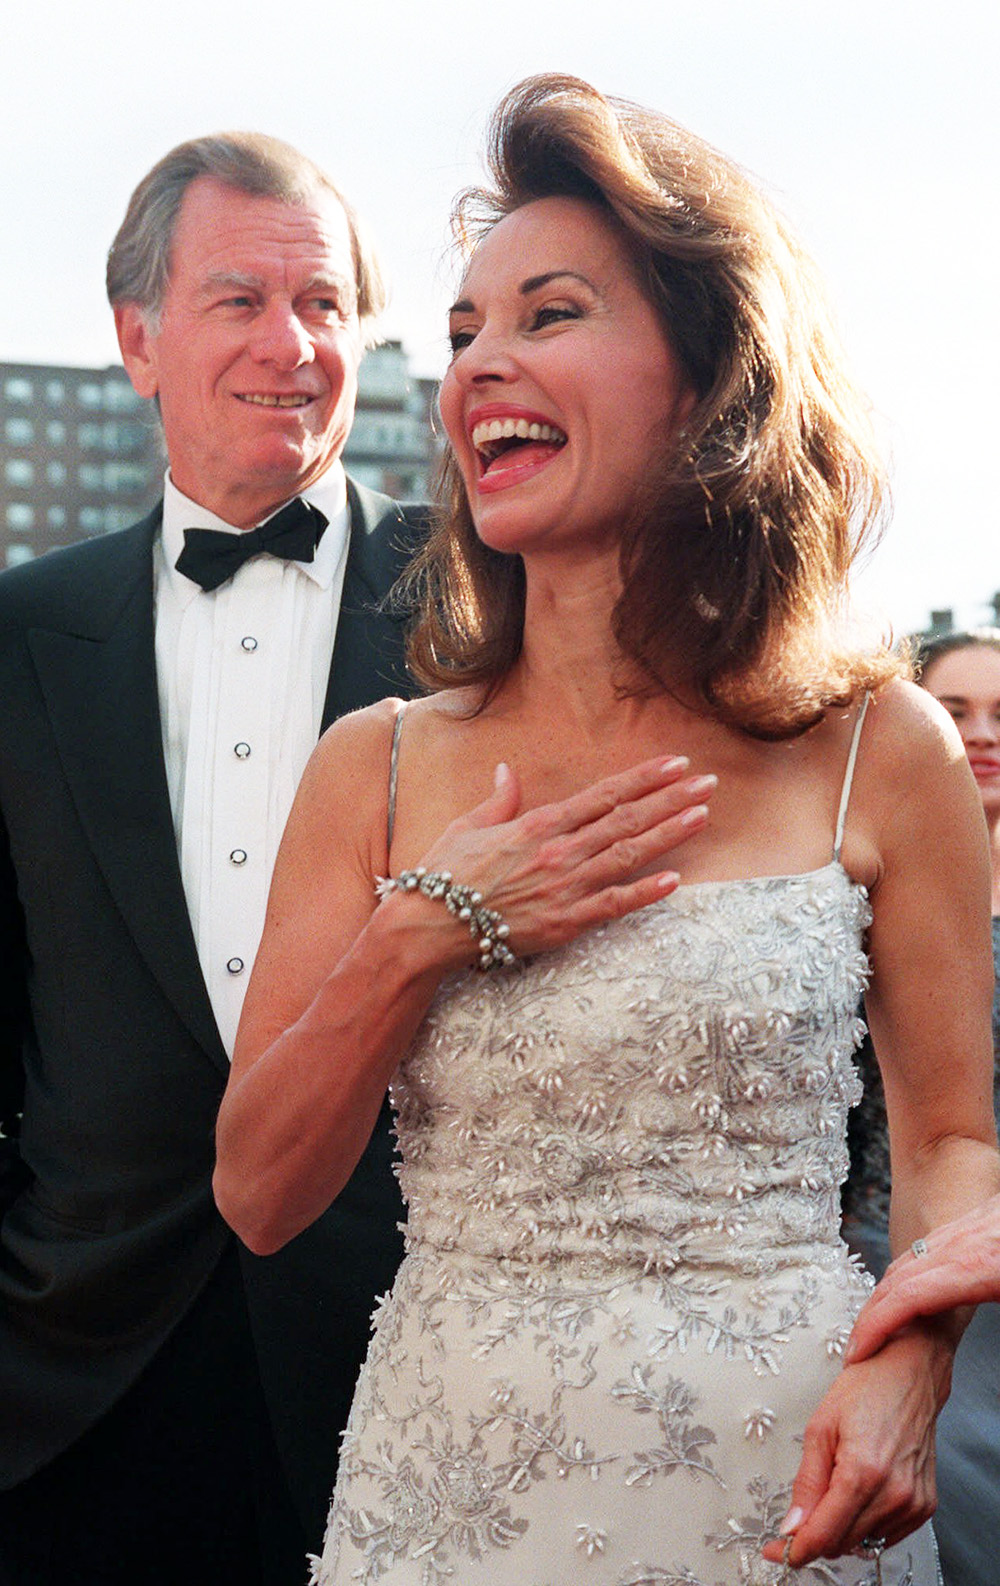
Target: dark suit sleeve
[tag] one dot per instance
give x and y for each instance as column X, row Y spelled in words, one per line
column 13, row 1017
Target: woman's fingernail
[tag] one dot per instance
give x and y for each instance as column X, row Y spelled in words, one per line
column 501, row 774
column 667, row 879
column 703, row 784
column 674, row 765
column 793, row 1519
column 694, row 815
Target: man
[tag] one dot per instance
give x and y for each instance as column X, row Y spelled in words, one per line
column 170, row 1406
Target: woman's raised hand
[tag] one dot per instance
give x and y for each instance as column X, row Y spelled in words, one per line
column 561, row 868
column 959, row 1266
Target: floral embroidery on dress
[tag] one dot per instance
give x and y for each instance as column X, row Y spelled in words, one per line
column 624, row 1291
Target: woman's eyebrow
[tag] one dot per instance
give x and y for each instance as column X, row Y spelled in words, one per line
column 535, row 281
column 532, row 284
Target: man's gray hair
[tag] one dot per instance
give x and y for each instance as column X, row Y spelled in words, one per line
column 139, row 258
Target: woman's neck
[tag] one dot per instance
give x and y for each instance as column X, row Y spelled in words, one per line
column 569, row 660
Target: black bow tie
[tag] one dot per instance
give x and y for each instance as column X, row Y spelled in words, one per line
column 210, row 556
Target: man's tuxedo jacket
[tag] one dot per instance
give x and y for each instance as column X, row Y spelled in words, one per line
column 107, row 1038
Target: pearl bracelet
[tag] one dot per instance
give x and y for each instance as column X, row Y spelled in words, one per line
column 486, row 926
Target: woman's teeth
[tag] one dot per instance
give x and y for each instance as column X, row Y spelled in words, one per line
column 486, row 435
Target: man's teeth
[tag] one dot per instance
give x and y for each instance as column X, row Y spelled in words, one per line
column 515, row 429
column 297, row 400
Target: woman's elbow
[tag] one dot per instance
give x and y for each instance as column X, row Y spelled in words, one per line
column 247, row 1212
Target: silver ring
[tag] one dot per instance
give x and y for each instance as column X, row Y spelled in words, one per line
column 919, row 1247
column 873, row 1546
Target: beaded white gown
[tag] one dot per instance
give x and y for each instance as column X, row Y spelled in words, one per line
column 624, row 1291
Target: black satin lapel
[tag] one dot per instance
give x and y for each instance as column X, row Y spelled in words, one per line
column 367, row 654
column 367, row 662
column 101, row 695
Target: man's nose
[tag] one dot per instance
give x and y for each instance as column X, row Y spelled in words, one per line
column 280, row 337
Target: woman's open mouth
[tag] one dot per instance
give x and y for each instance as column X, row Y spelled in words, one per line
column 511, row 447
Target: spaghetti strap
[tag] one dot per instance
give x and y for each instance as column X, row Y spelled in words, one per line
column 397, row 730
column 845, row 792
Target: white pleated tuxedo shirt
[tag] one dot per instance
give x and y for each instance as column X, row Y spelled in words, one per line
column 242, row 673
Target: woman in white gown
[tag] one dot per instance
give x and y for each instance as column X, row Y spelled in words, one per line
column 613, row 1351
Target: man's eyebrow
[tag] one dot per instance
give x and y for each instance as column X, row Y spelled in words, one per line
column 228, row 280
column 331, row 280
column 532, row 284
column 221, row 280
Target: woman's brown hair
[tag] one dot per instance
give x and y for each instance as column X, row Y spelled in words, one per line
column 736, row 549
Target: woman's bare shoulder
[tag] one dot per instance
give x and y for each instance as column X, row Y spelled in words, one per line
column 349, row 769
column 345, row 785
column 915, row 792
column 362, row 731
column 910, row 731
column 365, row 736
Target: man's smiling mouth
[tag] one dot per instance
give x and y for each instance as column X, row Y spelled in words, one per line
column 297, row 399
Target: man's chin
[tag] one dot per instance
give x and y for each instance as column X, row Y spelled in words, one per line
column 296, row 459
column 271, row 478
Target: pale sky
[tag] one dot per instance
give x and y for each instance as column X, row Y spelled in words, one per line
column 873, row 125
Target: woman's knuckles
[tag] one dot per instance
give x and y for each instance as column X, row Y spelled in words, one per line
column 626, row 855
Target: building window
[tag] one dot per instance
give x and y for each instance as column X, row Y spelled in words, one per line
column 119, row 397
column 55, row 432
column 120, row 477
column 19, row 431
column 89, row 395
column 18, row 471
column 115, row 435
column 114, row 477
column 55, row 473
column 55, row 517
column 369, row 474
column 124, row 436
column 17, row 389
column 55, row 391
column 98, row 520
column 20, row 516
column 16, row 554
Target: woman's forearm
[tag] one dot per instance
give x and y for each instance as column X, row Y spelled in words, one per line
column 939, row 1182
column 292, row 1127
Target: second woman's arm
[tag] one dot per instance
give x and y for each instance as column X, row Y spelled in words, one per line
column 868, row 1459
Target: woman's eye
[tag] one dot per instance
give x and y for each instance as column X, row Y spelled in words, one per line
column 459, row 339
column 551, row 315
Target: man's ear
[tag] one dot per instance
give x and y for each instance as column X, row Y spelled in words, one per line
column 138, row 348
